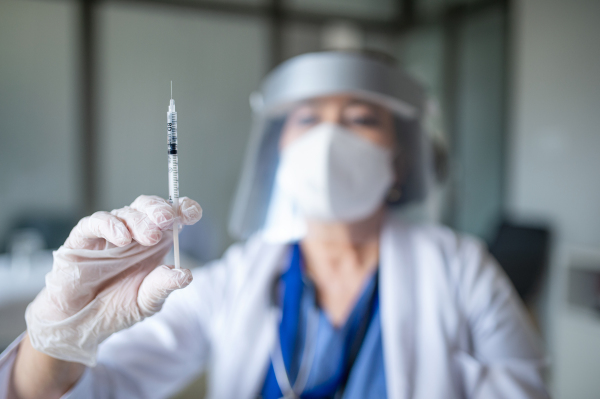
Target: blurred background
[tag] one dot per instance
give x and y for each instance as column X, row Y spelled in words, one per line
column 515, row 96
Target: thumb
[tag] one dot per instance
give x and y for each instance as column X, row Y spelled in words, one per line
column 157, row 286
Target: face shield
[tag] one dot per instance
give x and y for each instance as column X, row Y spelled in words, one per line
column 260, row 205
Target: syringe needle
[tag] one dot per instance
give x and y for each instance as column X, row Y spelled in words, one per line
column 171, row 90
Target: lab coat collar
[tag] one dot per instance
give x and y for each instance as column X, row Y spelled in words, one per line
column 397, row 284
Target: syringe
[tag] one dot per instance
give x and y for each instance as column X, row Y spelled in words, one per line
column 173, row 173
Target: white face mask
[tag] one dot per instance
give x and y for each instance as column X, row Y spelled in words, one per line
column 332, row 173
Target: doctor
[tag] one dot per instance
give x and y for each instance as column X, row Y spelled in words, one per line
column 330, row 295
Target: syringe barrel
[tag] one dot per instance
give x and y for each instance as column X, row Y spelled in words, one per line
column 173, row 175
column 173, row 161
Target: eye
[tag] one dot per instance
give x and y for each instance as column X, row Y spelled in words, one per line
column 304, row 116
column 307, row 120
column 369, row 121
column 363, row 115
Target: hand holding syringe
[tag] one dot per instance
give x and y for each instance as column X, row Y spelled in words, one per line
column 173, row 172
column 123, row 281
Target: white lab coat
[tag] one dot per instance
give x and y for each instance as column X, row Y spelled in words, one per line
column 452, row 326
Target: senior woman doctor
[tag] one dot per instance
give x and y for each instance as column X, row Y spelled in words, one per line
column 329, row 296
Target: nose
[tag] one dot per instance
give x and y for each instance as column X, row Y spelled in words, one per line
column 332, row 114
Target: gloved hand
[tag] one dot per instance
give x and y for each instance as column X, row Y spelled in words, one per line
column 105, row 278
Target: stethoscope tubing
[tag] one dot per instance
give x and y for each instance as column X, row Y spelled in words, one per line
column 308, row 355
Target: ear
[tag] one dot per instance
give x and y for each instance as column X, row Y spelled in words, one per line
column 394, row 194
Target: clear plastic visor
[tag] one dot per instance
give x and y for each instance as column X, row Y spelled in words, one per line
column 260, row 206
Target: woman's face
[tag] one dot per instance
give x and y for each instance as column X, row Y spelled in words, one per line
column 366, row 119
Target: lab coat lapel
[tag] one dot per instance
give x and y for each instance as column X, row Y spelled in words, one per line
column 250, row 332
column 396, row 281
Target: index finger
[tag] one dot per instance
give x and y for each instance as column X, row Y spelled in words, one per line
column 158, row 210
column 161, row 212
column 100, row 225
column 189, row 210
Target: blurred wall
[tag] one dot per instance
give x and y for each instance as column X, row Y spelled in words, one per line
column 39, row 146
column 556, row 132
column 215, row 62
column 479, row 142
column 472, row 201
column 375, row 9
column 554, row 164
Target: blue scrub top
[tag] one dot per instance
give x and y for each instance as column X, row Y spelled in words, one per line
column 366, row 378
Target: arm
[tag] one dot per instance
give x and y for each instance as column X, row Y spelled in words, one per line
column 37, row 375
column 506, row 358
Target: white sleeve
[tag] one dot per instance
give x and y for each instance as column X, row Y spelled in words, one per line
column 506, row 359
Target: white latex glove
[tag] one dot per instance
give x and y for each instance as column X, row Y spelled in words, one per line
column 105, row 278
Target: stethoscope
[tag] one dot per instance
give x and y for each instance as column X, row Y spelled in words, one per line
column 294, row 391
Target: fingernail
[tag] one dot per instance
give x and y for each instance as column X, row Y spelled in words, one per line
column 192, row 212
column 184, row 277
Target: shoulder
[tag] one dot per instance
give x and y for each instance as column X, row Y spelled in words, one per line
column 463, row 259
column 459, row 266
column 436, row 237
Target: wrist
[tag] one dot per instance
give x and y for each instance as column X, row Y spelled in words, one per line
column 38, row 375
